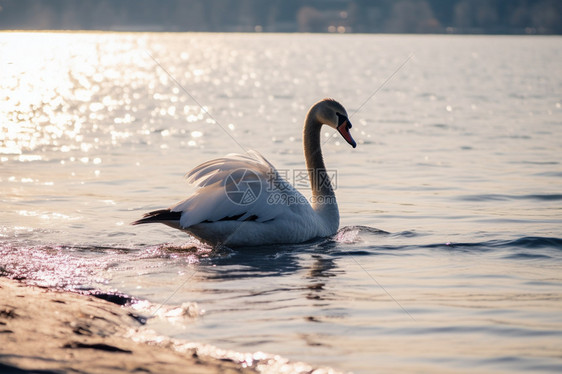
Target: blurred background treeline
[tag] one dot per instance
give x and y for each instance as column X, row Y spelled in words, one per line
column 364, row 16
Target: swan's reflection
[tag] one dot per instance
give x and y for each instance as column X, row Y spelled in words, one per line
column 255, row 262
column 316, row 258
column 322, row 267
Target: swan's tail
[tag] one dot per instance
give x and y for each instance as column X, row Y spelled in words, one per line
column 159, row 216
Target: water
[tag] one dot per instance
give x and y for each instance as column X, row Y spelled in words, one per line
column 458, row 159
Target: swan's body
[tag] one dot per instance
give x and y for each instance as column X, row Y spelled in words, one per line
column 243, row 201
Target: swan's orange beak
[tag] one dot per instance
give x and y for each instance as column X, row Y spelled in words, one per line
column 343, row 128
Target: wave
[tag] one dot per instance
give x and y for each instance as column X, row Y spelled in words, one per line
column 82, row 268
column 532, row 242
column 503, row 197
column 527, row 242
column 86, row 268
column 375, row 242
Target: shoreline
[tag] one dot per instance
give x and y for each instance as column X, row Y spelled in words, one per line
column 52, row 331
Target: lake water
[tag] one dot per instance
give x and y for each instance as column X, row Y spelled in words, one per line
column 459, row 159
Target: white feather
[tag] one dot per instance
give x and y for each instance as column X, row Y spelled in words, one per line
column 279, row 213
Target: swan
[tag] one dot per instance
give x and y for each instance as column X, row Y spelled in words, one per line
column 242, row 200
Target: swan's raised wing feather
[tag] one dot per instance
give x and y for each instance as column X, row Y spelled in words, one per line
column 240, row 188
column 218, row 169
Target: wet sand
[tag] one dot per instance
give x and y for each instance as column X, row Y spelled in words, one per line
column 48, row 331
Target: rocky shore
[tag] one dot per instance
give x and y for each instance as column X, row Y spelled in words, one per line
column 48, row 331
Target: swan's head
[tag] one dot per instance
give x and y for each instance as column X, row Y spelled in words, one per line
column 333, row 114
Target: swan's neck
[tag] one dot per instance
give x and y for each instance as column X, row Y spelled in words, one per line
column 324, row 199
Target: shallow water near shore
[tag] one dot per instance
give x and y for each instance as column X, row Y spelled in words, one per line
column 449, row 254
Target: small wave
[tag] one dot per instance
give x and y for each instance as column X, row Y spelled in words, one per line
column 533, row 242
column 526, row 256
column 529, row 247
column 52, row 266
column 174, row 313
column 351, row 234
column 191, row 252
column 356, row 253
column 503, row 197
column 525, row 248
column 548, row 174
column 362, row 229
column 537, row 162
column 408, row 234
column 81, row 268
column 247, row 362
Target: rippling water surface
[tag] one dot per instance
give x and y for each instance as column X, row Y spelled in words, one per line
column 458, row 160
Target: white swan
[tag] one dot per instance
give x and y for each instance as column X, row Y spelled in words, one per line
column 243, row 201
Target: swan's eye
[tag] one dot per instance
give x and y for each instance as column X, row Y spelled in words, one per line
column 341, row 119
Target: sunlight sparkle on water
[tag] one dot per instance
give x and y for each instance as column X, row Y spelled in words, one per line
column 456, row 158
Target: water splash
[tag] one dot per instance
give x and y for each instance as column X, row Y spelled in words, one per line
column 83, row 267
column 354, row 234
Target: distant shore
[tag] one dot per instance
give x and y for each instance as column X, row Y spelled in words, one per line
column 335, row 16
column 48, row 331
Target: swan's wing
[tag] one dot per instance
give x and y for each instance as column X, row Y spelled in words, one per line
column 218, row 169
column 239, row 188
